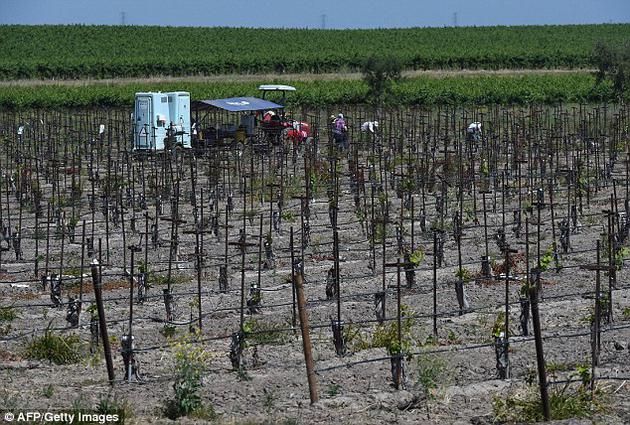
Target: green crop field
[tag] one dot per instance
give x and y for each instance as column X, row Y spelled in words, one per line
column 480, row 89
column 135, row 51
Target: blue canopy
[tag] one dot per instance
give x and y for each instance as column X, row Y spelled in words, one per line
column 239, row 104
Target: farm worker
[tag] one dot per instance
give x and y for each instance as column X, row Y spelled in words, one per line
column 473, row 132
column 268, row 115
column 369, row 126
column 339, row 131
column 298, row 131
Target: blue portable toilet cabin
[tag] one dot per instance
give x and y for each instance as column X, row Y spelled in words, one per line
column 154, row 113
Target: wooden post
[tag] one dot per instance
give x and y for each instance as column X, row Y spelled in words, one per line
column 596, row 325
column 293, row 294
column 435, row 331
column 98, row 295
column 129, row 371
column 596, row 322
column 199, row 242
column 540, row 357
column 81, row 274
column 506, row 342
column 306, row 338
column 399, row 355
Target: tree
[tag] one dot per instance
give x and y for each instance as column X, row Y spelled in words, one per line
column 380, row 73
column 613, row 64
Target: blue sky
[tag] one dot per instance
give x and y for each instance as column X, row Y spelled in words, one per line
column 308, row 14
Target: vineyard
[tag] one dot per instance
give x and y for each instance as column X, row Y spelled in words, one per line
column 427, row 91
column 423, row 275
column 66, row 52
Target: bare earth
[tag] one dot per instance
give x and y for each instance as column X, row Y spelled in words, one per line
column 275, row 390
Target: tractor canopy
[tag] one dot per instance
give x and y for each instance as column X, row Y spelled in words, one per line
column 237, row 104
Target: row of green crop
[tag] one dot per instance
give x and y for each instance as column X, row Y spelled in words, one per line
column 505, row 89
column 127, row 51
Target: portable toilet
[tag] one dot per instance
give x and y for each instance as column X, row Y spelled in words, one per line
column 155, row 113
column 151, row 116
column 179, row 114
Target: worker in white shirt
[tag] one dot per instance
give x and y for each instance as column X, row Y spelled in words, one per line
column 473, row 132
column 369, row 126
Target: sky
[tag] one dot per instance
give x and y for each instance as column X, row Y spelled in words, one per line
column 314, row 13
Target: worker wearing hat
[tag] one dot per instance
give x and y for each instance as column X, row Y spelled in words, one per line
column 268, row 116
column 340, row 130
